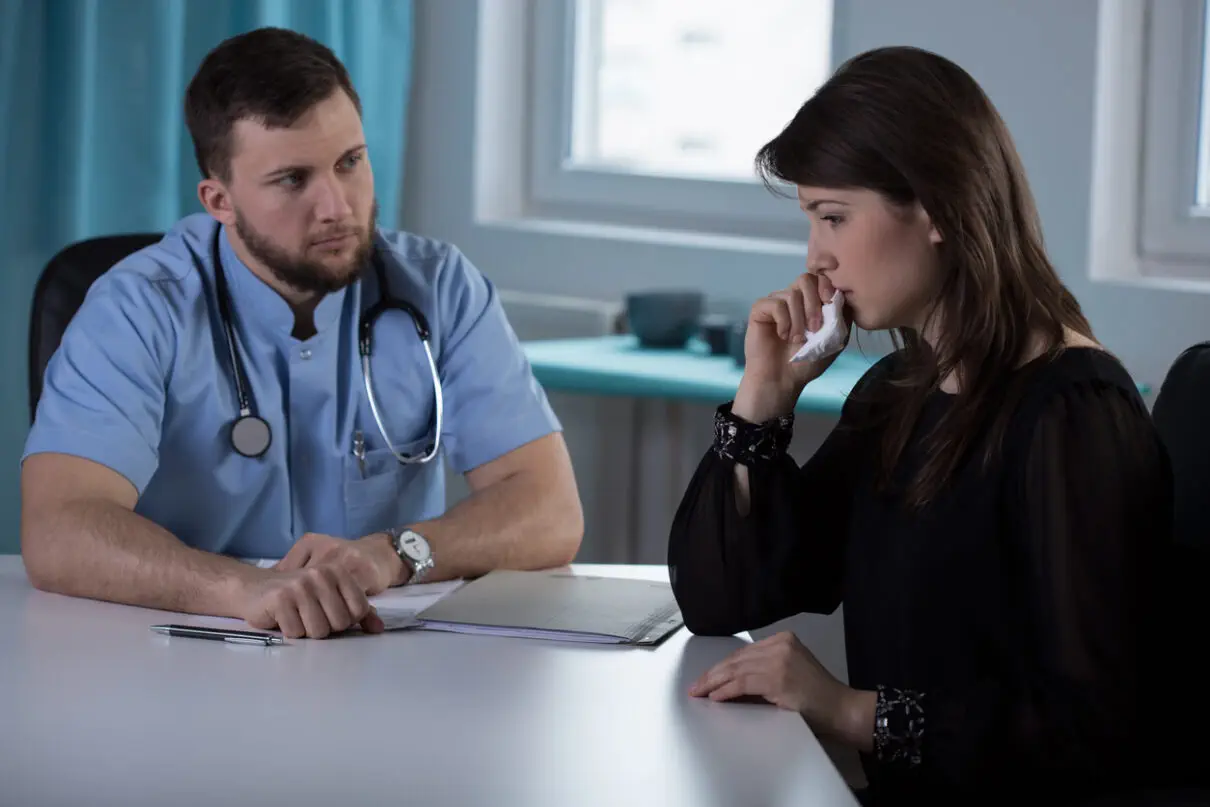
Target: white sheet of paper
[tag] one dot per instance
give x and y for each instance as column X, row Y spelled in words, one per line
column 402, row 603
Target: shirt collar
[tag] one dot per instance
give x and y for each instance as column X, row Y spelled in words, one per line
column 260, row 306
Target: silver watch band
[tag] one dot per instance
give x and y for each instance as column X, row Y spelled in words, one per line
column 420, row 568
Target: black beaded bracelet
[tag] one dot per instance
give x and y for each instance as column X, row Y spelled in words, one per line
column 746, row 443
column 898, row 726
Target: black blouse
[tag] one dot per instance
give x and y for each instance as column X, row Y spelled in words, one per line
column 1004, row 625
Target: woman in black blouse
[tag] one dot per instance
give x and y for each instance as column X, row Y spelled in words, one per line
column 992, row 506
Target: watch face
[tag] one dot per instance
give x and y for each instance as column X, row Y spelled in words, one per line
column 414, row 546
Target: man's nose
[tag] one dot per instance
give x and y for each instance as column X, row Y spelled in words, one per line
column 332, row 203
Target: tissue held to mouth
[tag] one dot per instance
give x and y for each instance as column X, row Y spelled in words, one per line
column 830, row 338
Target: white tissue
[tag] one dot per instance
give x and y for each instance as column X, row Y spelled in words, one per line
column 830, row 338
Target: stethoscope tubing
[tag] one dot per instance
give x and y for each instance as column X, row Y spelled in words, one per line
column 251, row 434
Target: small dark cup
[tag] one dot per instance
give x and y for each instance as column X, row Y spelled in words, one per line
column 736, row 347
column 664, row 319
column 716, row 333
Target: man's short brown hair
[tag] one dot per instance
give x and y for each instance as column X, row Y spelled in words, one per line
column 269, row 75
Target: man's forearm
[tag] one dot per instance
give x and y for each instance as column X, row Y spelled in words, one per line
column 525, row 521
column 101, row 550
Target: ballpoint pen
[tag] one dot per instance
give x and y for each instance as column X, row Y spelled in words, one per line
column 359, row 451
column 220, row 634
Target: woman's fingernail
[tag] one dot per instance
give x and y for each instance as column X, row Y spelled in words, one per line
column 816, row 322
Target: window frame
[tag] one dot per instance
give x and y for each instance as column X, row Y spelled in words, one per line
column 558, row 189
column 1146, row 228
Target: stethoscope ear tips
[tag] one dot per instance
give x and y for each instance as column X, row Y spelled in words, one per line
column 250, row 436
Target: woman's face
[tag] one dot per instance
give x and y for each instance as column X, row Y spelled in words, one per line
column 882, row 256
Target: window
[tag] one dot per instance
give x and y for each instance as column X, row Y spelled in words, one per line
column 1151, row 178
column 689, row 89
column 1203, row 170
column 650, row 112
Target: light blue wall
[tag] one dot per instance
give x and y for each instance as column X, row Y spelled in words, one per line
column 1035, row 58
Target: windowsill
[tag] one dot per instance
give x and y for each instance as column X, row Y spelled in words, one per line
column 1158, row 283
column 646, row 235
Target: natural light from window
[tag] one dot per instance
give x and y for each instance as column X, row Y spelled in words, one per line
column 692, row 88
column 1203, row 151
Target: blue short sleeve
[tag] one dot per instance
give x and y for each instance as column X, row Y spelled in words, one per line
column 104, row 389
column 493, row 402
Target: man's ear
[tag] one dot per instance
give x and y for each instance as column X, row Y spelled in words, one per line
column 216, row 200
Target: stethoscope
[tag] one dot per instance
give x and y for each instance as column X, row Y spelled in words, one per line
column 250, row 433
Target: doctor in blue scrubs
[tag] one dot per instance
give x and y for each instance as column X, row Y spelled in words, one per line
column 280, row 378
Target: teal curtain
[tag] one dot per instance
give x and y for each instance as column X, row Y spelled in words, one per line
column 93, row 141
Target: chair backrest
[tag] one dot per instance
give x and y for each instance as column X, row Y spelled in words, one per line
column 60, row 290
column 1182, row 416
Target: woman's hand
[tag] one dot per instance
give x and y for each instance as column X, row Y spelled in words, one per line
column 776, row 330
column 782, row 671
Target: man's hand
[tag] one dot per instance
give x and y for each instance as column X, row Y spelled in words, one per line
column 371, row 561
column 313, row 602
column 783, row 672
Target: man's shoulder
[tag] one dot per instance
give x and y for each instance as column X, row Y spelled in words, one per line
column 166, row 269
column 423, row 261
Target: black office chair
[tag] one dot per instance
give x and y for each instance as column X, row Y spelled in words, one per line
column 61, row 287
column 1182, row 417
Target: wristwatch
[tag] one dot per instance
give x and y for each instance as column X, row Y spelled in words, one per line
column 413, row 550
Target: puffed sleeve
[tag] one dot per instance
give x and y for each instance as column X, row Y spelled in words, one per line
column 1094, row 497
column 733, row 572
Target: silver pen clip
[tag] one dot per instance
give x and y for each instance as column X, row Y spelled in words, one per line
column 359, row 451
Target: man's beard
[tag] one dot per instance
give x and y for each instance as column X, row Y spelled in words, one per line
column 305, row 275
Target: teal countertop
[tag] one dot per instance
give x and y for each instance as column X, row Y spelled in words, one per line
column 617, row 365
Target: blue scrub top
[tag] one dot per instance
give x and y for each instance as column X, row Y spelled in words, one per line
column 142, row 383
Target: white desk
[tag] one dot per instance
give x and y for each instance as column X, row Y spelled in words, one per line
column 96, row 709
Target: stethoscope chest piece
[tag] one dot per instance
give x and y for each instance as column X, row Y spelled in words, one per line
column 250, row 436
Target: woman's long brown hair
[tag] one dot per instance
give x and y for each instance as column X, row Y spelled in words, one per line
column 915, row 127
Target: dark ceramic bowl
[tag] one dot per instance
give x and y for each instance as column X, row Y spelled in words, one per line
column 664, row 319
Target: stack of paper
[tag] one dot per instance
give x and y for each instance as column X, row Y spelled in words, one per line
column 558, row 604
column 399, row 607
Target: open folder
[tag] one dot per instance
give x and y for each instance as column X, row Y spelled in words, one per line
column 558, row 604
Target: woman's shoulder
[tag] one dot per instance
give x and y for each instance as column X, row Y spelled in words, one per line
column 1074, row 367
column 1075, row 384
